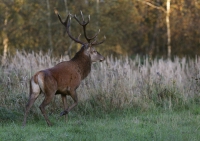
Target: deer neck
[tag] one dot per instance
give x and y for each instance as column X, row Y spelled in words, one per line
column 83, row 62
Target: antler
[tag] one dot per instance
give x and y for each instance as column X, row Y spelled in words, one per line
column 66, row 23
column 84, row 24
column 94, row 43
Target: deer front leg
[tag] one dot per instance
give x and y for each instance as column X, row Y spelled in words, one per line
column 75, row 98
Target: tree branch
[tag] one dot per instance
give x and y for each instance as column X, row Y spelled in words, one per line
column 152, row 5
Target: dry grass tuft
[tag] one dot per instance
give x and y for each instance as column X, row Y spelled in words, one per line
column 112, row 84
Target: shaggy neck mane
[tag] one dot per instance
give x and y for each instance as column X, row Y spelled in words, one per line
column 83, row 63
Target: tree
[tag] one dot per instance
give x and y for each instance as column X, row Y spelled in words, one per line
column 167, row 11
column 152, row 28
column 49, row 24
column 5, row 37
column 168, row 28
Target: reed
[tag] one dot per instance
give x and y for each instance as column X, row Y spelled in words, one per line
column 112, row 84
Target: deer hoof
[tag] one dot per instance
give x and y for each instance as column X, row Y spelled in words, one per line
column 63, row 113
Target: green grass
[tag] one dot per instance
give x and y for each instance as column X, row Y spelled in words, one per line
column 117, row 126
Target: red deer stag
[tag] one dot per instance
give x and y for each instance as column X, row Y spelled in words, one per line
column 65, row 77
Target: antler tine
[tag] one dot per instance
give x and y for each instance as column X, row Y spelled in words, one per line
column 94, row 43
column 95, row 40
column 82, row 16
column 66, row 23
column 56, row 12
column 84, row 24
column 67, row 28
column 79, row 36
column 94, row 37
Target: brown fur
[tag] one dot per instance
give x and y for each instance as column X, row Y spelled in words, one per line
column 64, row 79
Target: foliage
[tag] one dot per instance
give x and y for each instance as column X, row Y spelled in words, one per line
column 130, row 26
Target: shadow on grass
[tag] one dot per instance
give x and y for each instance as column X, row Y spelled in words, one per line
column 9, row 115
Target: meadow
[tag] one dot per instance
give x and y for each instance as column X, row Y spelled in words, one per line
column 121, row 99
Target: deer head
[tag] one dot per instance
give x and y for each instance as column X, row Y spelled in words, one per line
column 89, row 49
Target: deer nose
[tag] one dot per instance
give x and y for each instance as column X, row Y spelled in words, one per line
column 102, row 59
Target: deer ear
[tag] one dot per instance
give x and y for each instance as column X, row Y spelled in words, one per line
column 88, row 48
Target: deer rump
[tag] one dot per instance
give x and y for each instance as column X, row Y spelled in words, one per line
column 64, row 77
column 56, row 80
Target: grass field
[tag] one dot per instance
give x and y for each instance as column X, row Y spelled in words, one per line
column 121, row 99
column 117, row 126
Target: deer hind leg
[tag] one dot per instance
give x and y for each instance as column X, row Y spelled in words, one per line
column 75, row 98
column 64, row 100
column 46, row 101
column 48, row 86
column 34, row 93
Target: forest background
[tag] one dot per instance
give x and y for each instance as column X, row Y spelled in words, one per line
column 131, row 26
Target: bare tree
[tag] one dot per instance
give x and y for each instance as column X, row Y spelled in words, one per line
column 97, row 9
column 66, row 8
column 71, row 42
column 49, row 24
column 167, row 12
column 5, row 37
column 168, row 28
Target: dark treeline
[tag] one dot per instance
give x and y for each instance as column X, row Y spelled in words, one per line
column 130, row 26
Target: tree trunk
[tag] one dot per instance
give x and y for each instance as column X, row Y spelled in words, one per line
column 5, row 38
column 71, row 42
column 49, row 24
column 168, row 29
column 155, row 32
column 66, row 8
column 97, row 9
